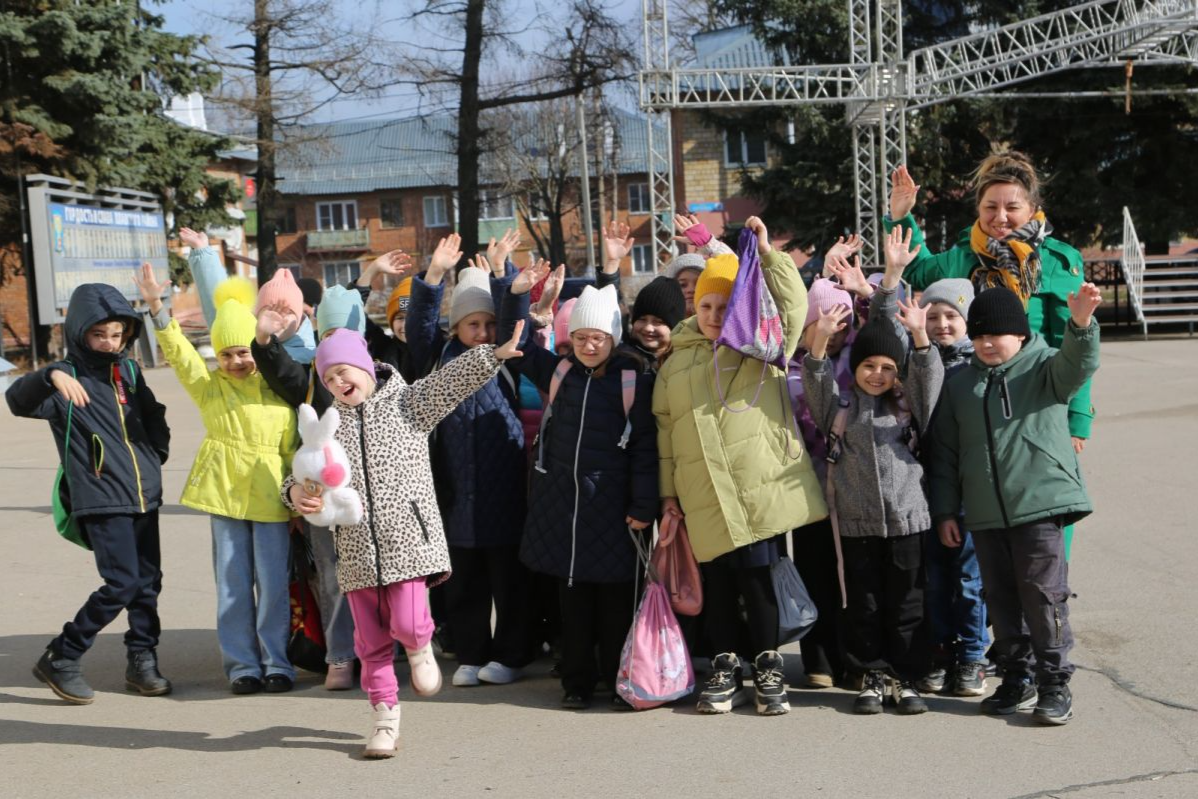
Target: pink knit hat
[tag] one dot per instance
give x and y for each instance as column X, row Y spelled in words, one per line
column 824, row 295
column 343, row 345
column 561, row 321
column 282, row 288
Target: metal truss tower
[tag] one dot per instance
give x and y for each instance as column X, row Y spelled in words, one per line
column 880, row 85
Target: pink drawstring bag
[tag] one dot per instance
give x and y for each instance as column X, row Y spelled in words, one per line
column 655, row 666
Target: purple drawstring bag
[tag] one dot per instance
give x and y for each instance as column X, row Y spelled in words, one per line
column 752, row 323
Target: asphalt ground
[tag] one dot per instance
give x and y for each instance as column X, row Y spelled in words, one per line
column 1135, row 733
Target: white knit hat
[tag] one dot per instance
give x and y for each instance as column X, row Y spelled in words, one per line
column 598, row 309
column 473, row 294
column 690, row 260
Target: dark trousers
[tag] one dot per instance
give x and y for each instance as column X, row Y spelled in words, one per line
column 593, row 614
column 481, row 577
column 815, row 558
column 129, row 561
column 724, row 585
column 1025, row 582
column 884, row 628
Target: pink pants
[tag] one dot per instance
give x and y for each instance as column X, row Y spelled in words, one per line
column 398, row 612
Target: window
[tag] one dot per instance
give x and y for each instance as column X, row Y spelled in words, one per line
column 338, row 273
column 391, row 212
column 494, row 205
column 642, row 259
column 287, row 220
column 434, row 212
column 638, row 198
column 341, row 215
column 744, row 148
column 536, row 212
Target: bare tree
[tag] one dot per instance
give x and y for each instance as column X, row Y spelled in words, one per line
column 299, row 58
column 580, row 48
column 688, row 17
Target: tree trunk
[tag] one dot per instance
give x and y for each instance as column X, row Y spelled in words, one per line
column 468, row 129
column 264, row 111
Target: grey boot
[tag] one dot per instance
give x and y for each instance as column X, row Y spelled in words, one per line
column 142, row 674
column 65, row 678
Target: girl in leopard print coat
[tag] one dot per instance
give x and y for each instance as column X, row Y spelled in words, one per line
column 387, row 561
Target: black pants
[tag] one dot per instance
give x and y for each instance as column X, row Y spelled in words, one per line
column 724, row 584
column 1025, row 582
column 884, row 630
column 129, row 561
column 593, row 614
column 815, row 558
column 482, row 576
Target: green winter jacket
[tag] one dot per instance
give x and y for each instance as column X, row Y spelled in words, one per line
column 1061, row 273
column 1000, row 442
column 740, row 476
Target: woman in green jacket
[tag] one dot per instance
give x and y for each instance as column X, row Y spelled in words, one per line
column 731, row 462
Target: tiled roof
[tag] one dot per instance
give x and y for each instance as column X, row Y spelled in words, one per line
column 358, row 157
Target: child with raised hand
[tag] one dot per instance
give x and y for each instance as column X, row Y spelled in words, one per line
column 389, row 559
column 878, row 502
column 1001, row 449
column 250, row 437
column 390, row 348
column 481, row 480
column 594, row 480
column 686, row 268
column 112, row 437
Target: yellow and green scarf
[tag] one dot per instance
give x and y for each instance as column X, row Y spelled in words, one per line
column 1012, row 262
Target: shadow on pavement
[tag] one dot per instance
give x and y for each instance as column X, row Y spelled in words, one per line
column 126, row 738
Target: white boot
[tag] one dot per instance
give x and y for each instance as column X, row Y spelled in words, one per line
column 384, row 739
column 426, row 674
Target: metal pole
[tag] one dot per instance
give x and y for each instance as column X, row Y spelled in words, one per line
column 587, row 227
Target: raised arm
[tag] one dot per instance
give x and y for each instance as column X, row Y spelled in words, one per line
column 285, row 376
column 819, row 383
column 206, row 270
column 1071, row 367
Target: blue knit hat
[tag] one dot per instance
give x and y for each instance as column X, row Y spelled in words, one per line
column 340, row 307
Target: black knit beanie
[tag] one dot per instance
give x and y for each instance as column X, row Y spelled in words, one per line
column 996, row 312
column 311, row 289
column 877, row 337
column 662, row 298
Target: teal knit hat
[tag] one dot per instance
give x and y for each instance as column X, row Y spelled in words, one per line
column 340, row 307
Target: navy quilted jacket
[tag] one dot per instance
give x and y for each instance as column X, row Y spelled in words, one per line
column 479, row 465
column 576, row 523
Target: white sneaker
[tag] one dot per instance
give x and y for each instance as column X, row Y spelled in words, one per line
column 498, row 674
column 426, row 674
column 466, row 676
column 384, row 738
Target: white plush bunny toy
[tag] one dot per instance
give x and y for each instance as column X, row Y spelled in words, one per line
column 322, row 467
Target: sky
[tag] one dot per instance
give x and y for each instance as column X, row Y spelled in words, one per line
column 210, row 18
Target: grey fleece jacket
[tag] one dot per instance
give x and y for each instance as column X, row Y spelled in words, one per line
column 878, row 480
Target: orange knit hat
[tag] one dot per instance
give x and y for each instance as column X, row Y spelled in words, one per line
column 398, row 301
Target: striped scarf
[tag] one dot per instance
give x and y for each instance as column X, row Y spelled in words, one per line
column 1013, row 262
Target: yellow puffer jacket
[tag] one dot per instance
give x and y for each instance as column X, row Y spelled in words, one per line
column 740, row 477
column 251, row 437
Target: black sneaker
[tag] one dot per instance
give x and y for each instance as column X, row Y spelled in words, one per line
column 620, row 703
column 278, row 684
column 969, row 679
column 907, row 700
column 142, row 674
column 1015, row 693
column 572, row 701
column 932, row 682
column 873, row 691
column 724, row 689
column 1055, row 705
column 246, row 685
column 770, row 685
column 65, row 678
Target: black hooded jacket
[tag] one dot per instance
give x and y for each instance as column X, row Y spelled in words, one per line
column 120, row 439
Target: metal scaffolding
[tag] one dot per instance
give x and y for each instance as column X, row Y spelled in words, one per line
column 879, row 85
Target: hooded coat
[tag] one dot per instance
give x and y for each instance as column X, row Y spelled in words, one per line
column 742, row 475
column 117, row 448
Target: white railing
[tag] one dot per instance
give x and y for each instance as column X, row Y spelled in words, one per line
column 1132, row 263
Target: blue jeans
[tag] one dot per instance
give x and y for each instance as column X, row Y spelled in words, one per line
column 955, row 610
column 252, row 632
column 334, row 607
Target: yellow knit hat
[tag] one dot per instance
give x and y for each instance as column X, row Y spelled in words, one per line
column 717, row 276
column 234, row 326
column 398, row 301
